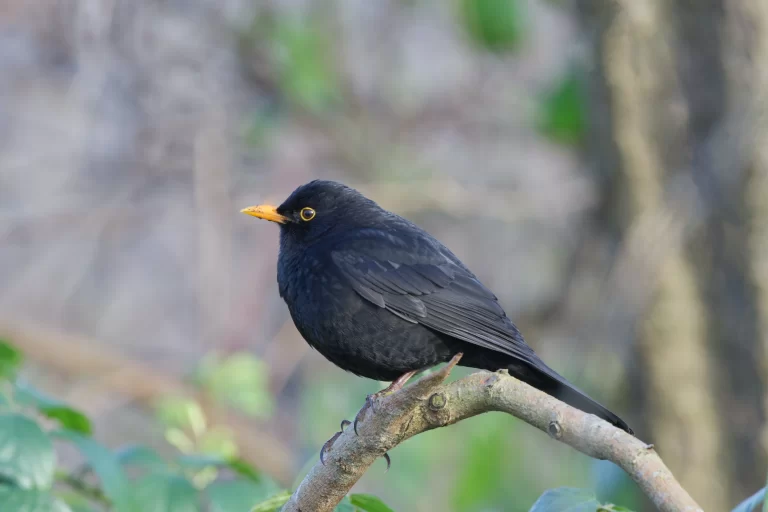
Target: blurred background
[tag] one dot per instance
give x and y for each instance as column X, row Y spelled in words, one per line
column 602, row 165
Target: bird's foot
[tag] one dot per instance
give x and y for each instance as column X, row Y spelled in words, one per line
column 329, row 443
column 370, row 400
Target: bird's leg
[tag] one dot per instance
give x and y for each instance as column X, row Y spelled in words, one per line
column 370, row 400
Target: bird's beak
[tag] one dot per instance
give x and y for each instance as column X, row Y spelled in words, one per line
column 266, row 212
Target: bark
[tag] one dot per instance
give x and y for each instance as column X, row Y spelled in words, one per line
column 636, row 56
column 747, row 71
column 430, row 403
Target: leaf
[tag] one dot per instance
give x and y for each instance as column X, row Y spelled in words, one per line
column 274, row 503
column 10, row 360
column 345, row 506
column 241, row 380
column 369, row 503
column 496, row 25
column 14, row 499
column 141, row 456
column 306, row 64
column 67, row 417
column 182, row 413
column 234, row 495
column 106, row 466
column 200, row 461
column 752, row 503
column 244, row 469
column 563, row 112
column 166, row 492
column 566, row 499
column 26, row 453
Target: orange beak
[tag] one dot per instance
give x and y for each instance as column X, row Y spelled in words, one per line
column 266, row 212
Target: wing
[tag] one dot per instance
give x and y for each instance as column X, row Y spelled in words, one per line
column 422, row 282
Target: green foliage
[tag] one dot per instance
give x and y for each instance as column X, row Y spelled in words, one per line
column 207, row 474
column 563, row 111
column 568, row 499
column 272, row 503
column 495, row 25
column 105, row 465
column 140, row 456
column 14, row 499
column 66, row 416
column 234, row 495
column 368, row 503
column 166, row 492
column 752, row 504
column 10, row 360
column 300, row 55
column 241, row 380
column 26, row 453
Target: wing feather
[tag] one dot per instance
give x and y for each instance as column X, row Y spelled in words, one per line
column 439, row 294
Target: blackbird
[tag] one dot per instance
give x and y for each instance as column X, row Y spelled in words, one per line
column 383, row 299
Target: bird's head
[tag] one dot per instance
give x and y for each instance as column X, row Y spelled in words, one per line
column 317, row 208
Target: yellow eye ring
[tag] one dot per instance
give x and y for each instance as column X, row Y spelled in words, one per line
column 307, row 214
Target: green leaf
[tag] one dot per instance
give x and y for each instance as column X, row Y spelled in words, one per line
column 563, row 112
column 566, row 499
column 182, row 413
column 752, row 503
column 14, row 499
column 496, row 25
column 306, row 60
column 26, row 452
column 68, row 417
column 200, row 461
column 369, row 503
column 273, row 503
column 10, row 360
column 234, row 495
column 166, row 492
column 244, row 469
column 345, row 506
column 141, row 456
column 106, row 466
column 241, row 380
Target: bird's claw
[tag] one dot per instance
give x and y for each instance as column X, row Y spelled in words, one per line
column 327, row 446
column 329, row 443
column 370, row 403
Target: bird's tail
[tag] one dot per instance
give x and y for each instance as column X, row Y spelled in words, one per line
column 549, row 381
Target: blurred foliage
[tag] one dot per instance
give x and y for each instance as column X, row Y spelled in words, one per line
column 754, row 502
column 306, row 68
column 205, row 476
column 567, row 499
column 241, row 380
column 10, row 360
column 495, row 25
column 299, row 57
column 563, row 111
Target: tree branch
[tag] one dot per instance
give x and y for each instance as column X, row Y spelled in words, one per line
column 430, row 403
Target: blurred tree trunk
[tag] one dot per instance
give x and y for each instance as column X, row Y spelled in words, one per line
column 642, row 113
column 722, row 52
column 747, row 66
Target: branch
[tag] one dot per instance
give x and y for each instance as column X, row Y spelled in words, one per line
column 430, row 403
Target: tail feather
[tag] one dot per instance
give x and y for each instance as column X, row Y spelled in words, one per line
column 550, row 382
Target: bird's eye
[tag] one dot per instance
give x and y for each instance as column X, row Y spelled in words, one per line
column 307, row 214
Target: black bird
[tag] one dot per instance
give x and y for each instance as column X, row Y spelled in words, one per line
column 381, row 298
